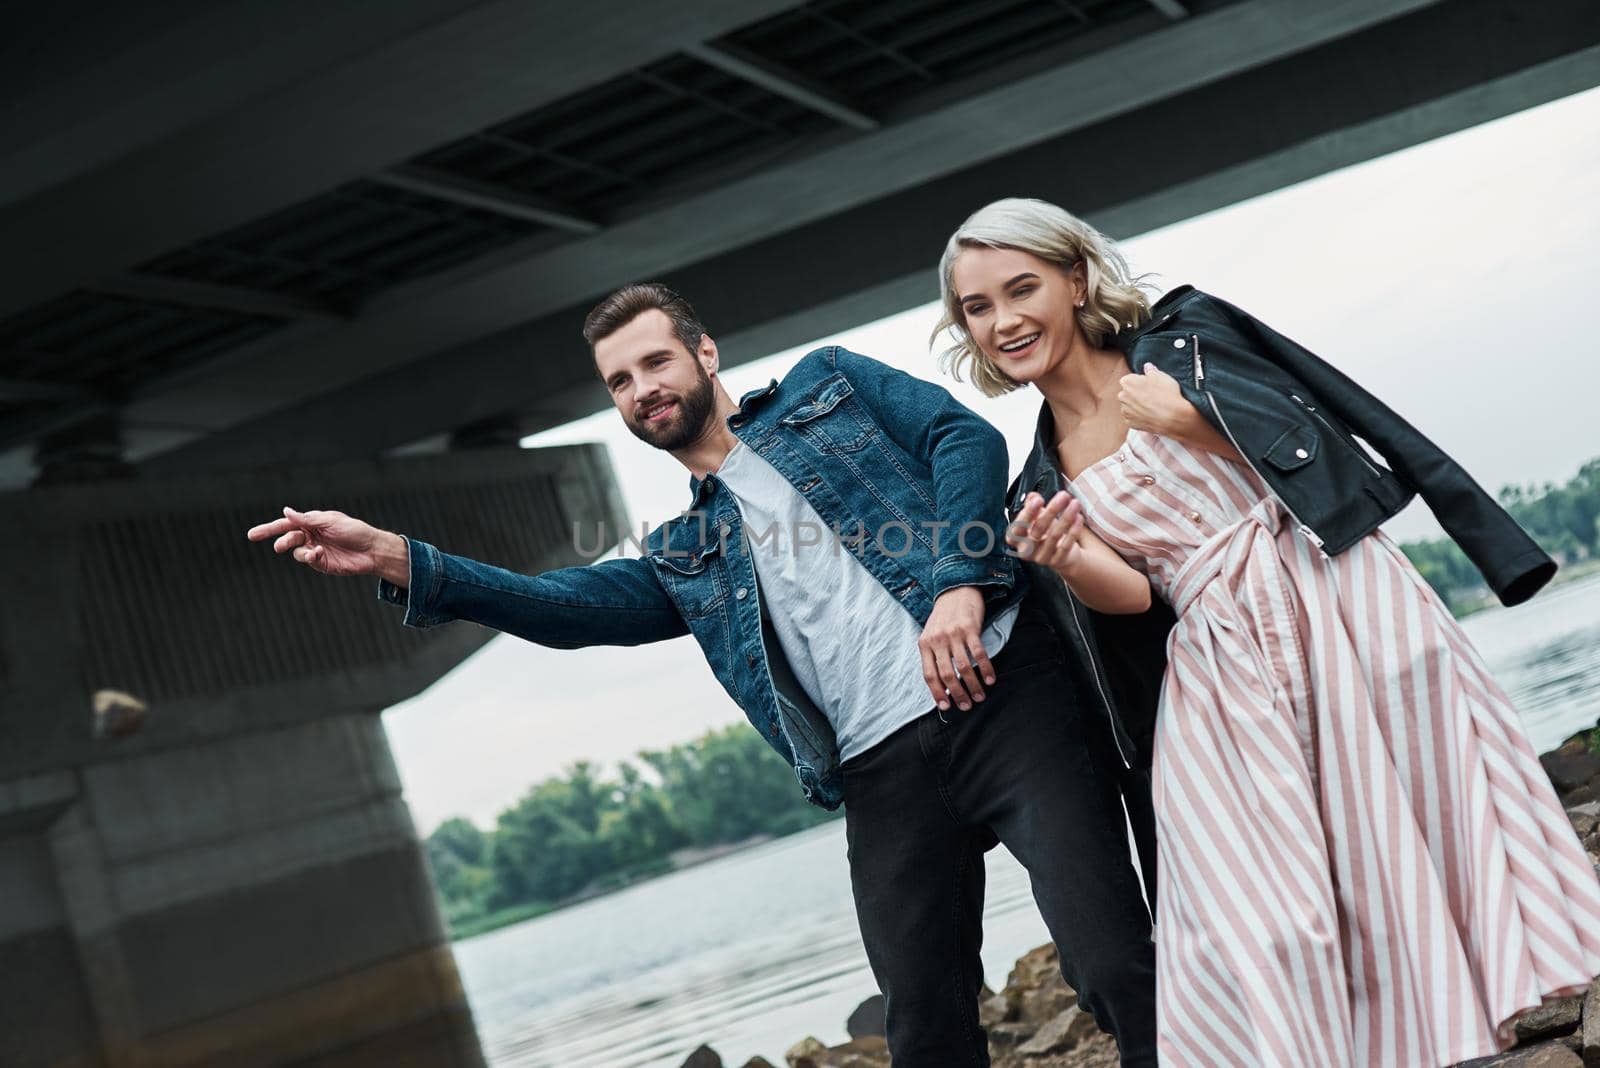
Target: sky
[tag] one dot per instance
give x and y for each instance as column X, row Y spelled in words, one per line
column 1448, row 279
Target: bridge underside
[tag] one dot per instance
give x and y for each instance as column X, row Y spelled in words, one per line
column 397, row 245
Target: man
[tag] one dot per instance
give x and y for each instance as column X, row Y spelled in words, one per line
column 900, row 676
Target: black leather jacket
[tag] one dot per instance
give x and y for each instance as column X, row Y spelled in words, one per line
column 1294, row 418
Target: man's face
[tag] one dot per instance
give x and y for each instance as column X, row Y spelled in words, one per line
column 661, row 389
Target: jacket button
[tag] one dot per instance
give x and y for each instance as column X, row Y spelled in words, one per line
column 1194, row 517
column 1301, row 453
column 741, row 593
column 1179, row 343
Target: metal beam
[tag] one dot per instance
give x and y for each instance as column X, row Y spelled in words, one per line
column 1173, row 9
column 764, row 294
column 20, row 391
column 407, row 86
column 781, row 81
column 489, row 196
column 166, row 290
column 30, row 426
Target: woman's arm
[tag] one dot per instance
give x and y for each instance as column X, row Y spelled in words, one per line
column 1053, row 535
column 1153, row 402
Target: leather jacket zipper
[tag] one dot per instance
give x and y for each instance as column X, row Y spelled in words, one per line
column 1319, row 417
column 1099, row 683
column 1199, row 382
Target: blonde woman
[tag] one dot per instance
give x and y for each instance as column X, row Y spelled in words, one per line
column 1361, row 861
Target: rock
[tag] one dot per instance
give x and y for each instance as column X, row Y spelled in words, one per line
column 1035, row 991
column 869, row 1051
column 994, row 1009
column 868, row 1019
column 1544, row 1055
column 1571, row 766
column 704, row 1057
column 1034, row 967
column 806, row 1053
column 1008, row 1036
column 1582, row 821
column 1060, row 1034
column 1591, row 1027
column 1581, row 795
column 758, row 1062
column 1041, row 1006
column 1549, row 1020
column 117, row 714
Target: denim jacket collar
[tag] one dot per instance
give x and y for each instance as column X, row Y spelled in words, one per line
column 697, row 485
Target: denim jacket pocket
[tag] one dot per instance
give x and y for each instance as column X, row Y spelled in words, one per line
column 827, row 418
column 695, row 580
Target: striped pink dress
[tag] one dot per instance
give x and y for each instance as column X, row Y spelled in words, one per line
column 1361, row 860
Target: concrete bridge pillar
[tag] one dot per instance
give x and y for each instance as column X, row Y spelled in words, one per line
column 238, row 882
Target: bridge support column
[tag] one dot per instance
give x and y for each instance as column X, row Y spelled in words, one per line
column 239, row 881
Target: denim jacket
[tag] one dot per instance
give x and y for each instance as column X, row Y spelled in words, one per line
column 910, row 479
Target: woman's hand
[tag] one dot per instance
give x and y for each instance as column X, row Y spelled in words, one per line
column 1152, row 402
column 1048, row 534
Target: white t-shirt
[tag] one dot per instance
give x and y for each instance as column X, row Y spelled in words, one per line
column 852, row 646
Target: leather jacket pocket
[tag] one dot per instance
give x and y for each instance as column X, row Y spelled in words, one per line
column 1293, row 449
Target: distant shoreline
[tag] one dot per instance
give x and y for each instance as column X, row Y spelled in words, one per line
column 679, row 860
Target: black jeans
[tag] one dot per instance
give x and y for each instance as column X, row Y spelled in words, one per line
column 920, row 809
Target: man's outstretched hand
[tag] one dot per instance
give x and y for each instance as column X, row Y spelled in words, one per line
column 337, row 544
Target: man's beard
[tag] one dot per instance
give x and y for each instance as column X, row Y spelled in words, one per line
column 681, row 428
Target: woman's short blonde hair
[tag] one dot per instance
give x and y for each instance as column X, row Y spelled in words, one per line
column 1114, row 299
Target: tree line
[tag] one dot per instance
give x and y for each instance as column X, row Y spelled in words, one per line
column 583, row 831
column 1562, row 519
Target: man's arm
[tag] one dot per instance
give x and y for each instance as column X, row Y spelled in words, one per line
column 968, row 458
column 616, row 602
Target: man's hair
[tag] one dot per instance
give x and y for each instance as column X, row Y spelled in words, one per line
column 630, row 302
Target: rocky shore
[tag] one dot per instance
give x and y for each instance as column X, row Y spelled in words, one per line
column 1034, row 1021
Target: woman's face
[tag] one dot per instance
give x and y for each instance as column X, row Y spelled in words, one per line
column 1018, row 309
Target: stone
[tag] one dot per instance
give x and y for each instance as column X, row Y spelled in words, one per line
column 1571, row 766
column 1045, row 1004
column 868, row 1019
column 994, row 1009
column 869, row 1051
column 1034, row 967
column 1549, row 1020
column 1587, row 793
column 1543, row 1055
column 1583, row 822
column 703, row 1057
column 758, row 1062
column 809, row 1052
column 1008, row 1036
column 1591, row 1027
column 1060, row 1034
column 117, row 714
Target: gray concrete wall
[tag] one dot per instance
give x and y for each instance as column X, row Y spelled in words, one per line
column 240, row 881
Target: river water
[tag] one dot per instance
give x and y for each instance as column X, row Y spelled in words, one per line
column 752, row 952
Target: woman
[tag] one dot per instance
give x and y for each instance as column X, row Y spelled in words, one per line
column 1362, row 861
